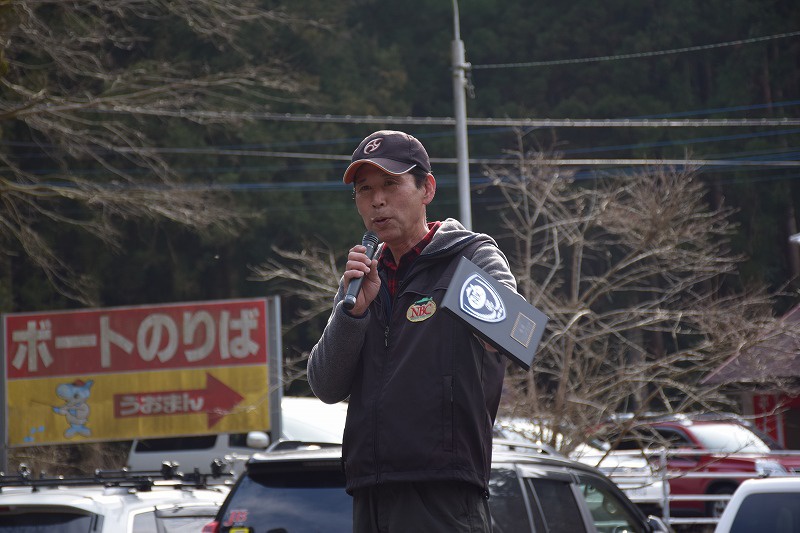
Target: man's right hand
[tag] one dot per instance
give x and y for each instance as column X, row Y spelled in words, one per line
column 358, row 265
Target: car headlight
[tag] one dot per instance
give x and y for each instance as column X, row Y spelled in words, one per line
column 765, row 467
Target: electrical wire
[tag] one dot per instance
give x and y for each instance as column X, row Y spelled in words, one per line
column 637, row 55
column 197, row 114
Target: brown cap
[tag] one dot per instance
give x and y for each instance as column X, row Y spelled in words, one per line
column 394, row 152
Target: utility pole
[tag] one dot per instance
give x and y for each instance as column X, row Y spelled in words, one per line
column 460, row 67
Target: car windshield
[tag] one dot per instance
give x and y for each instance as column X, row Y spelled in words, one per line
column 313, row 501
column 768, row 512
column 43, row 521
column 729, row 438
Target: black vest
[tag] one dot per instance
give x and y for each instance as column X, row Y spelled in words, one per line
column 423, row 401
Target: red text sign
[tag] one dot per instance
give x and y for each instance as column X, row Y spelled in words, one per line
column 196, row 335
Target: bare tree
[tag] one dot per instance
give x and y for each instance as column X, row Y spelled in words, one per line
column 632, row 272
column 310, row 278
column 80, row 89
column 637, row 279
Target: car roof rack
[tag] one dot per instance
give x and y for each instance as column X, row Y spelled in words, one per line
column 141, row 480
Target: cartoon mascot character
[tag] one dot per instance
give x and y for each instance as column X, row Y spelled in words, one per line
column 75, row 408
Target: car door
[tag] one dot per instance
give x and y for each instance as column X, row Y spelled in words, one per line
column 527, row 498
column 609, row 512
column 683, row 467
column 545, row 498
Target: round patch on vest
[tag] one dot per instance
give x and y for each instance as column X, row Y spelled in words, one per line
column 421, row 310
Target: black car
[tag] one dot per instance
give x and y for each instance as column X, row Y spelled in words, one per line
column 303, row 490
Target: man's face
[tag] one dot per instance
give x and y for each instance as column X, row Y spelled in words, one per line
column 392, row 206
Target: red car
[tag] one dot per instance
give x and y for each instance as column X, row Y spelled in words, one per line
column 705, row 457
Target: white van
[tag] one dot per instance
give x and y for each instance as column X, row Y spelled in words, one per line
column 304, row 419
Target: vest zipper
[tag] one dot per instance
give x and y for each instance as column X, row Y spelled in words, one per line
column 387, row 308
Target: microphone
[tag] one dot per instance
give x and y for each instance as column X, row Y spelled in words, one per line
column 370, row 242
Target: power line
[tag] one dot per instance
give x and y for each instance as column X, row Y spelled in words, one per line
column 480, row 161
column 636, row 55
column 434, row 121
column 261, row 150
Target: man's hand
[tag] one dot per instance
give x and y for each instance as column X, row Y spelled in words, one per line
column 486, row 346
column 358, row 265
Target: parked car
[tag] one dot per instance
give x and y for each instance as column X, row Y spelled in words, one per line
column 636, row 476
column 728, row 450
column 303, row 490
column 769, row 505
column 305, row 419
column 109, row 502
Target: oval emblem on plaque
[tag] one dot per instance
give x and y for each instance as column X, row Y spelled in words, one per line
column 479, row 300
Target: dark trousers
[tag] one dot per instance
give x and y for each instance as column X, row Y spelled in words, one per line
column 421, row 507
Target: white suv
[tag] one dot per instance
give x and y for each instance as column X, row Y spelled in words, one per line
column 109, row 502
column 766, row 504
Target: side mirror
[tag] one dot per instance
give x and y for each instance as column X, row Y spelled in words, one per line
column 257, row 439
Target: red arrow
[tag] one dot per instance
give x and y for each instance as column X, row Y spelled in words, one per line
column 221, row 399
column 216, row 400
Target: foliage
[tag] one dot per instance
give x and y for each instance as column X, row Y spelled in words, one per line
column 635, row 274
column 636, row 277
column 101, row 93
column 87, row 99
column 133, row 167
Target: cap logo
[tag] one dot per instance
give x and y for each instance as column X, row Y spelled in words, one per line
column 373, row 145
column 479, row 299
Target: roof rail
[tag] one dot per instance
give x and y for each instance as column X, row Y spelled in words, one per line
column 141, row 480
column 527, row 446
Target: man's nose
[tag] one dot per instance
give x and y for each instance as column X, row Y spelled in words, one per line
column 378, row 198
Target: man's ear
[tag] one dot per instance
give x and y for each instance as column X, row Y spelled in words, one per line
column 430, row 189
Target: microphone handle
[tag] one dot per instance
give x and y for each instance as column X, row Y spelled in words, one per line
column 355, row 285
column 350, row 298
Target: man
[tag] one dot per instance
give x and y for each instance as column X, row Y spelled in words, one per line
column 423, row 389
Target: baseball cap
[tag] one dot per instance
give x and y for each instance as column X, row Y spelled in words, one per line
column 394, row 152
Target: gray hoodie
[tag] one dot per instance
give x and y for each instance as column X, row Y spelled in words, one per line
column 423, row 395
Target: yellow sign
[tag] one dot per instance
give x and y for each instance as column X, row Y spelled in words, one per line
column 155, row 404
column 138, row 372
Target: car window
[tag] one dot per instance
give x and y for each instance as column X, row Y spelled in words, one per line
column 675, row 439
column 185, row 519
column 144, row 522
column 774, row 512
column 556, row 503
column 609, row 513
column 185, row 524
column 237, row 440
column 170, row 444
column 43, row 521
column 729, row 438
column 312, row 501
column 507, row 503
